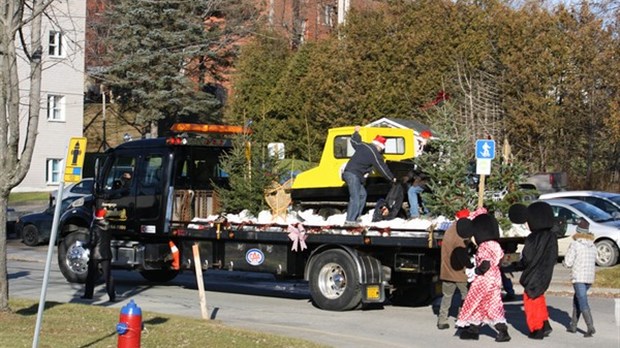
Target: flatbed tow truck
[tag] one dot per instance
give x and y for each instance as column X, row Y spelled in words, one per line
column 170, row 204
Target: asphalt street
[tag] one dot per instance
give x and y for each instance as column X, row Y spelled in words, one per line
column 259, row 302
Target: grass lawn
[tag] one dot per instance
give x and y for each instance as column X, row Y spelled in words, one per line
column 608, row 277
column 79, row 325
column 20, row 197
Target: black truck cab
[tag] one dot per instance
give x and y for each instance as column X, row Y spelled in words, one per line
column 147, row 184
column 148, row 187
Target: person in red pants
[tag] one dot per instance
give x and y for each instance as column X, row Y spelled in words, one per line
column 539, row 256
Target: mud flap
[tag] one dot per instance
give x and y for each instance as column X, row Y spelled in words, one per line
column 371, row 280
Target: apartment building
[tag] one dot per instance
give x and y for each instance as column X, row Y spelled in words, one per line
column 62, row 93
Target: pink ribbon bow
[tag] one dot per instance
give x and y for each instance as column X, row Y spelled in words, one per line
column 297, row 233
column 479, row 211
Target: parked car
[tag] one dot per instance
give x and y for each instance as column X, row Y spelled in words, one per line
column 605, row 228
column 11, row 219
column 606, row 201
column 36, row 228
column 82, row 188
column 546, row 182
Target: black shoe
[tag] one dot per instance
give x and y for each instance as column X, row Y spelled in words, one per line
column 443, row 326
column 502, row 336
column 546, row 328
column 502, row 333
column 84, row 297
column 467, row 335
column 537, row 334
column 471, row 333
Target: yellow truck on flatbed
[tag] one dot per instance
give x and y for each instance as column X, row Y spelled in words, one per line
column 322, row 188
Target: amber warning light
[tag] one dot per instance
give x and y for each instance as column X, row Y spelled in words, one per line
column 208, row 128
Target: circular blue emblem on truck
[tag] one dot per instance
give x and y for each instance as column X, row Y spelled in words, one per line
column 254, row 257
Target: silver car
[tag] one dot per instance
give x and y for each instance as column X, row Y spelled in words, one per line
column 81, row 189
column 605, row 228
column 607, row 201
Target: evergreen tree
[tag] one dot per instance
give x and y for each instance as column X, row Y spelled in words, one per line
column 251, row 171
column 545, row 79
column 161, row 53
column 449, row 161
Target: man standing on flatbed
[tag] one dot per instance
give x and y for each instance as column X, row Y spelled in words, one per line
column 366, row 157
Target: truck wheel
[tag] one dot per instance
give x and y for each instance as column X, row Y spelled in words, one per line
column 159, row 275
column 30, row 235
column 73, row 256
column 606, row 253
column 334, row 282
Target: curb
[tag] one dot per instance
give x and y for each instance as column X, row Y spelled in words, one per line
column 565, row 290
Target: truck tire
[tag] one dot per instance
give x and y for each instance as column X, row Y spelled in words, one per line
column 30, row 235
column 159, row 275
column 334, row 281
column 73, row 256
column 606, row 253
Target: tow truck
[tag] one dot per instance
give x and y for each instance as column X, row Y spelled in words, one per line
column 169, row 203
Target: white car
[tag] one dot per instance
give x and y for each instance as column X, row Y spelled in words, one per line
column 607, row 201
column 605, row 228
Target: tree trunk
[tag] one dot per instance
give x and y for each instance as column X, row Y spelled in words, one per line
column 15, row 164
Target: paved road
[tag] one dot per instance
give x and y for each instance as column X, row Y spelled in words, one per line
column 261, row 303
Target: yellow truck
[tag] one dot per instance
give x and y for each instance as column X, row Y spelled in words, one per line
column 321, row 188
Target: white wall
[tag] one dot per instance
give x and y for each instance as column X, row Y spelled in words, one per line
column 61, row 76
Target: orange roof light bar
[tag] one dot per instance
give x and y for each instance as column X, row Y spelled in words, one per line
column 208, row 128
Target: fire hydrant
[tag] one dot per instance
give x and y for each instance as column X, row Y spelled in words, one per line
column 129, row 328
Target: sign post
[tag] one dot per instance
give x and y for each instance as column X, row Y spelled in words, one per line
column 73, row 173
column 485, row 152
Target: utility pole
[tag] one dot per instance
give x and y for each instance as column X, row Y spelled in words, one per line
column 104, row 139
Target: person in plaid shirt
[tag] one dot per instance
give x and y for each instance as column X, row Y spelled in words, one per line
column 581, row 258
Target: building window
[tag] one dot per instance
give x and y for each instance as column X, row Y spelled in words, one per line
column 54, row 170
column 329, row 15
column 56, row 48
column 55, row 108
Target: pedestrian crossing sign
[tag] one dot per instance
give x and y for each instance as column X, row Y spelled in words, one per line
column 485, row 149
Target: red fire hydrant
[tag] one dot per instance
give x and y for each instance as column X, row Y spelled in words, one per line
column 129, row 328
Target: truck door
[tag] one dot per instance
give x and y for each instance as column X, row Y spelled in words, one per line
column 119, row 187
column 151, row 184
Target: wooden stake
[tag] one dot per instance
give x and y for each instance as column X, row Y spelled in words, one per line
column 481, row 192
column 201, row 286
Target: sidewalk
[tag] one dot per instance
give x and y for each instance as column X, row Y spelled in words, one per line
column 561, row 285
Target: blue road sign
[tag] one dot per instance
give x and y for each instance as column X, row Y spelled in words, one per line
column 485, row 149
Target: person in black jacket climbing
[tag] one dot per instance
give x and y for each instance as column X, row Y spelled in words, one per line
column 539, row 256
column 100, row 254
column 366, row 157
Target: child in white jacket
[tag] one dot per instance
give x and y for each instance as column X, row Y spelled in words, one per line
column 581, row 258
